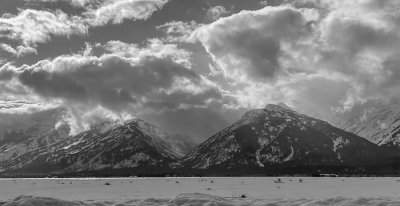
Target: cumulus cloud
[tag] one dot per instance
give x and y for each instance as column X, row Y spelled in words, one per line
column 76, row 3
column 118, row 85
column 319, row 56
column 31, row 27
column 214, row 13
column 122, row 81
column 75, row 78
column 21, row 33
column 250, row 43
column 102, row 12
column 361, row 43
column 155, row 48
column 116, row 11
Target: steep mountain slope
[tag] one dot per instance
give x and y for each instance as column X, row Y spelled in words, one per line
column 180, row 143
column 104, row 147
column 29, row 132
column 379, row 123
column 12, row 149
column 278, row 136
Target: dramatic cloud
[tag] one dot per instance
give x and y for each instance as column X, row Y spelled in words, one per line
column 31, row 27
column 208, row 65
column 116, row 11
column 128, row 81
column 11, row 108
column 21, row 34
column 359, row 39
column 318, row 56
column 155, row 48
column 76, row 3
column 74, row 78
column 250, row 43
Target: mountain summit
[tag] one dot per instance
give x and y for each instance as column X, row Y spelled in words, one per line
column 276, row 136
column 271, row 140
column 125, row 146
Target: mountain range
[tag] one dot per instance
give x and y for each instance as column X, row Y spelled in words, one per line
column 271, row 140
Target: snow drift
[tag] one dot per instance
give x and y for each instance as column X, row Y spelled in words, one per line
column 197, row 199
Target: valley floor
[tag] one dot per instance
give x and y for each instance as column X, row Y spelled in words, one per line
column 225, row 191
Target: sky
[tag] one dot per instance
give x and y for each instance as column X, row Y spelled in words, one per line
column 194, row 67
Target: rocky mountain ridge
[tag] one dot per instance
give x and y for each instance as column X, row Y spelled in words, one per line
column 379, row 123
column 277, row 136
column 263, row 141
column 116, row 147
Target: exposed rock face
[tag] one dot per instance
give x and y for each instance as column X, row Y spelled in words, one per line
column 379, row 123
column 277, row 135
column 26, row 133
column 272, row 137
column 180, row 143
column 109, row 147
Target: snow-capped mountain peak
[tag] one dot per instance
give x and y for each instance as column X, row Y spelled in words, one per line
column 281, row 107
column 279, row 136
column 120, row 146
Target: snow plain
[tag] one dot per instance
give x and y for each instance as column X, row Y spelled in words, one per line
column 202, row 191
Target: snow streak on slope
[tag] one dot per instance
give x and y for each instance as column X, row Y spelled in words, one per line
column 181, row 144
column 12, row 150
column 277, row 135
column 27, row 133
column 107, row 146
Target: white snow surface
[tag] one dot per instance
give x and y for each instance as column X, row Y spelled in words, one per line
column 201, row 191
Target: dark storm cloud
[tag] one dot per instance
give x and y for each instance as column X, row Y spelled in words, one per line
column 128, row 82
column 111, row 81
column 131, row 56
column 119, row 81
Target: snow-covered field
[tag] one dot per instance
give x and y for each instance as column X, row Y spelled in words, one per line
column 202, row 191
